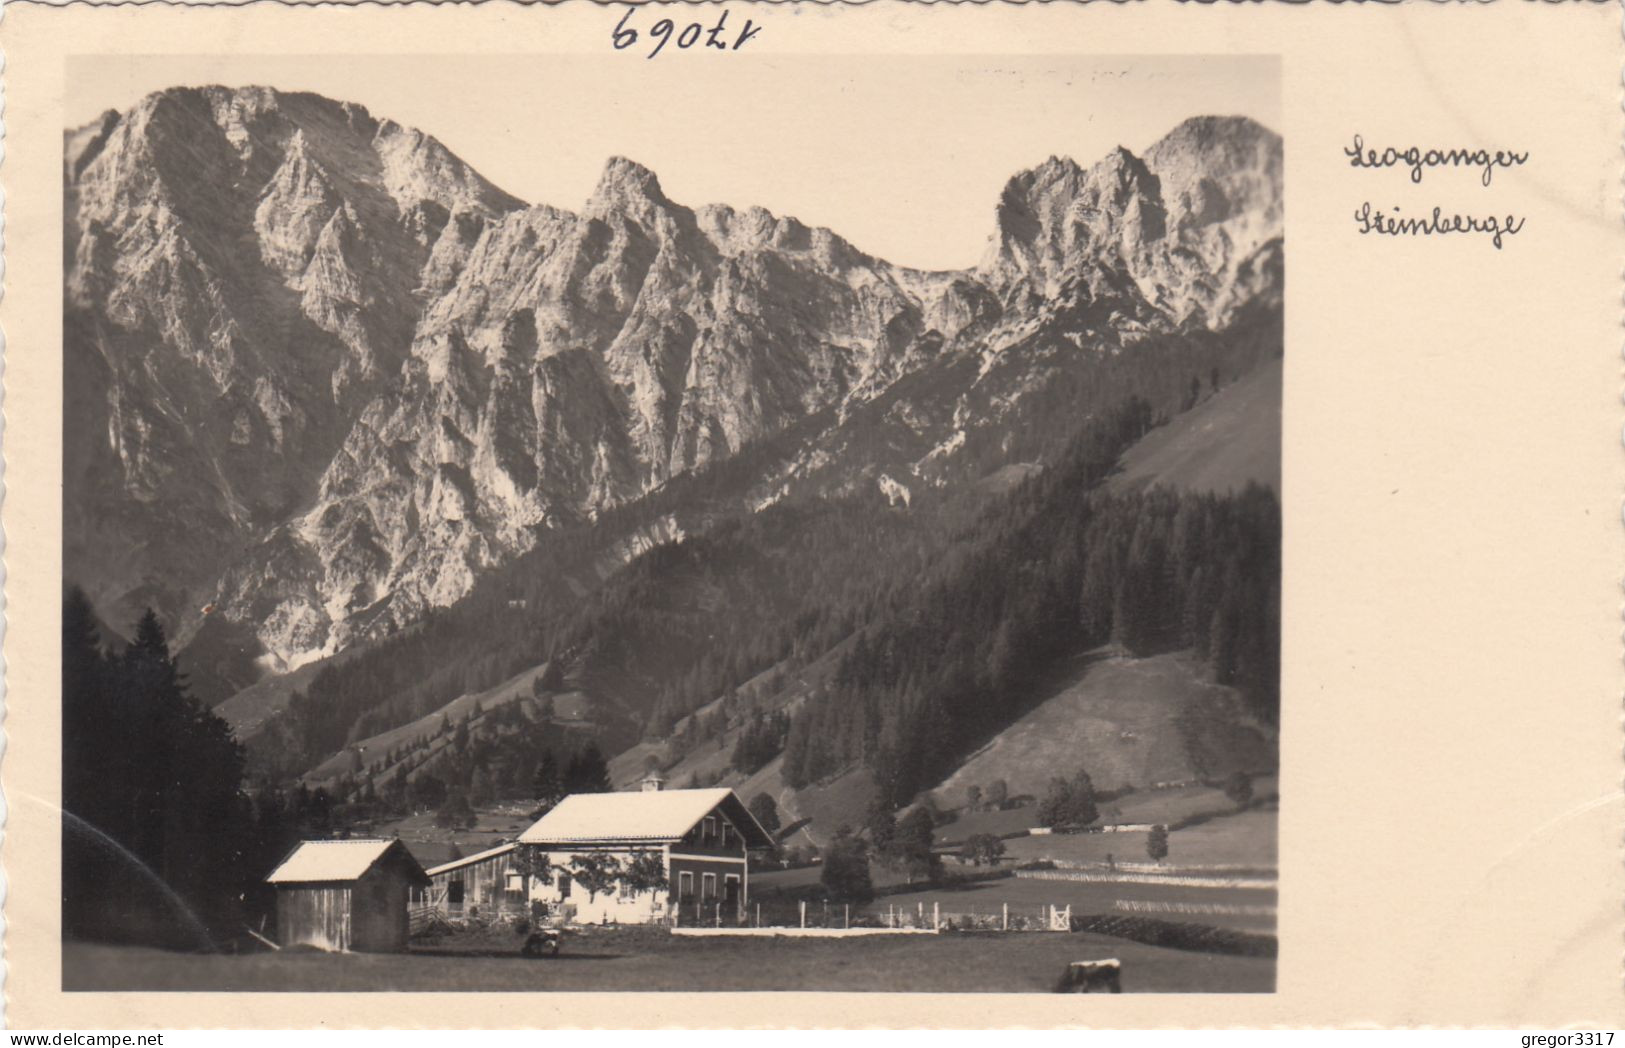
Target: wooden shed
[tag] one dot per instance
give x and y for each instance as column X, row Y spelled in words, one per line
column 346, row 895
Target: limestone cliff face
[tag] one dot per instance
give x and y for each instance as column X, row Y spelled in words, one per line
column 321, row 375
column 241, row 284
column 1185, row 224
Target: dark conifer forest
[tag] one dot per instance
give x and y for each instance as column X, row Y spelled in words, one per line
column 952, row 655
column 158, row 836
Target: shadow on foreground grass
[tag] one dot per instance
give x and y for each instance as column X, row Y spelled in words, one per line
column 1012, row 962
column 509, row 955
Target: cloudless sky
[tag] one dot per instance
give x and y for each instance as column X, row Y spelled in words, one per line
column 904, row 156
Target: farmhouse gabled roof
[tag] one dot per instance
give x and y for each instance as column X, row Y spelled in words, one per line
column 469, row 860
column 641, row 817
column 316, row 861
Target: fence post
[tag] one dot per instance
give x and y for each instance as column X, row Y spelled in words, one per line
column 936, row 916
column 719, row 914
column 849, row 915
column 1006, row 916
column 758, row 915
column 804, row 913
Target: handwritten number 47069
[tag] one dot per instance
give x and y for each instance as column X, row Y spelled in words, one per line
column 689, row 36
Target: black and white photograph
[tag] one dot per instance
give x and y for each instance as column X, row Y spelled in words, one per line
column 555, row 525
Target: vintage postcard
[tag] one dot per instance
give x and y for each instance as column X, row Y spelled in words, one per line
column 582, row 509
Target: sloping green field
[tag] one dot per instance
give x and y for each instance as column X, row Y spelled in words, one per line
column 1245, row 839
column 1120, row 719
column 1220, row 445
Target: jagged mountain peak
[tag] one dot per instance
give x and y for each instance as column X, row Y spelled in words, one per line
column 620, row 170
column 82, row 144
column 626, row 185
column 1054, row 170
column 1123, row 166
column 1222, row 180
column 1208, row 132
column 391, row 376
column 1203, row 199
column 1051, row 216
column 173, row 129
column 260, row 100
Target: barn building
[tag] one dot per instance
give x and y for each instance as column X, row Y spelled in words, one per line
column 486, row 882
column 346, row 895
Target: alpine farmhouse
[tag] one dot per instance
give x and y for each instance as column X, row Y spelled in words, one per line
column 700, row 836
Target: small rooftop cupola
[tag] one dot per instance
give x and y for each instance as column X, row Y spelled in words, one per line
column 653, row 782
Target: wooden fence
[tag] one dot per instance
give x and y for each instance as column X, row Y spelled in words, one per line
column 1178, row 880
column 1211, row 909
column 1005, row 918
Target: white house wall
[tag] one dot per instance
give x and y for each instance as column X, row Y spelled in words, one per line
column 612, row 907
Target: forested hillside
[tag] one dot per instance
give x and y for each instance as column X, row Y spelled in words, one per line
column 737, row 591
column 955, row 651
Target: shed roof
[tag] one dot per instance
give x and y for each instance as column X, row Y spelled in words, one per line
column 314, row 861
column 469, row 860
column 642, row 816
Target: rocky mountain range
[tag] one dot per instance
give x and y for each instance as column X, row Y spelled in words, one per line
column 321, row 376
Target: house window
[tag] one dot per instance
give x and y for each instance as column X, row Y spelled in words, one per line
column 454, row 892
column 515, row 883
column 710, row 827
column 730, row 889
column 709, row 887
column 685, row 885
column 726, row 829
column 564, row 885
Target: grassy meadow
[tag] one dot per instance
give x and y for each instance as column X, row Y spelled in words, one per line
column 640, row 959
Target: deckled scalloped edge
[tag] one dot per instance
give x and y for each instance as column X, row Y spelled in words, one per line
column 5, row 604
column 616, row 3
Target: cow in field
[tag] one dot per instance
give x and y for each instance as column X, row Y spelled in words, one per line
column 1092, row 977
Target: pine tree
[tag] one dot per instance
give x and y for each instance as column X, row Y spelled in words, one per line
column 547, row 785
column 766, row 812
column 480, row 791
column 911, row 845
column 1156, row 843
column 845, row 872
column 881, row 825
column 1052, row 810
column 1239, row 788
column 587, row 771
column 150, row 769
